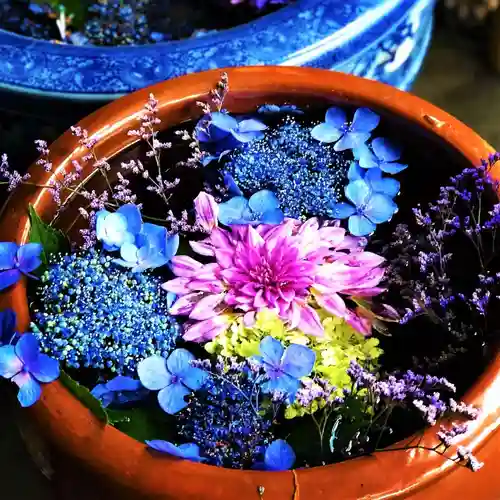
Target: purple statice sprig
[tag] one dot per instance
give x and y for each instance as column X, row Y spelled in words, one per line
column 423, row 393
column 423, row 256
column 229, row 419
column 215, row 103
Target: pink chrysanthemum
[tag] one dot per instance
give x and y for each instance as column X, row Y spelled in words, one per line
column 292, row 268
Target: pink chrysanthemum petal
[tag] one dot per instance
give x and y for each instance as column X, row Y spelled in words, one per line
column 206, row 308
column 185, row 304
column 310, row 322
column 206, row 330
column 177, row 286
column 332, row 303
column 185, row 266
column 203, row 248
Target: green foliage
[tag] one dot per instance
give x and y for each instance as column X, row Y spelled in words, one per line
column 143, row 424
column 75, row 8
column 84, row 396
column 52, row 240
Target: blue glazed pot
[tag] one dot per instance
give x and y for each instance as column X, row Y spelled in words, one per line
column 380, row 39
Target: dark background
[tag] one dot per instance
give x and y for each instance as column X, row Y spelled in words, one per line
column 456, row 77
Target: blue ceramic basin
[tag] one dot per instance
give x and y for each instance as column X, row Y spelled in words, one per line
column 380, row 39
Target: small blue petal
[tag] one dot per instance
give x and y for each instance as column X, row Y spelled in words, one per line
column 365, row 157
column 28, row 349
column 351, row 140
column 8, row 278
column 324, row 132
column 153, row 373
column 269, row 109
column 231, row 186
column 171, row 398
column 10, row 364
column 392, row 168
column 171, row 298
column 335, row 117
column 194, row 378
column 121, row 383
column 359, row 225
column 298, row 360
column 355, row 172
column 44, row 369
column 365, row 120
column 223, row 121
column 275, row 216
column 128, row 253
column 179, row 361
column 342, row 210
column 28, row 257
column 171, row 246
column 271, row 351
column 358, row 192
column 251, row 125
column 385, row 150
column 279, row 455
column 133, row 216
column 380, row 208
column 8, row 253
column 232, row 210
column 188, row 451
column 263, row 201
column 29, row 389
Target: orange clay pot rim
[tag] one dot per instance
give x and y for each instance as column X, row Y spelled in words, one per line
column 279, row 85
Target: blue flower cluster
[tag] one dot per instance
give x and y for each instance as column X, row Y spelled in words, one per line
column 306, row 175
column 141, row 245
column 22, row 362
column 117, row 23
column 222, row 420
column 100, row 317
column 370, row 194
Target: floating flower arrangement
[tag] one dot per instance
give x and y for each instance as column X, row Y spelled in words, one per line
column 127, row 22
column 271, row 300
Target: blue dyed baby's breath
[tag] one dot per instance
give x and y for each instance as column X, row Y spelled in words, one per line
column 306, row 175
column 97, row 316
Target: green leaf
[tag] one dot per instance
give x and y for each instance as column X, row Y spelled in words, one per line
column 84, row 395
column 52, row 240
column 76, row 8
column 143, row 423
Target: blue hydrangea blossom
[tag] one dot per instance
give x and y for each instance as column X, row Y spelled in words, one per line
column 284, row 367
column 115, row 229
column 118, row 391
column 188, row 451
column 141, row 246
column 381, row 154
column 380, row 184
column 153, row 247
column 174, row 378
column 346, row 135
column 368, row 208
column 262, row 208
column 225, row 132
column 279, row 455
column 17, row 260
column 24, row 365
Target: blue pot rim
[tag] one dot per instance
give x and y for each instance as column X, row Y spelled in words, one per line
column 317, row 26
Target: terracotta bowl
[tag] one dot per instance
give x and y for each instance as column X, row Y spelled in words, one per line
column 122, row 465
